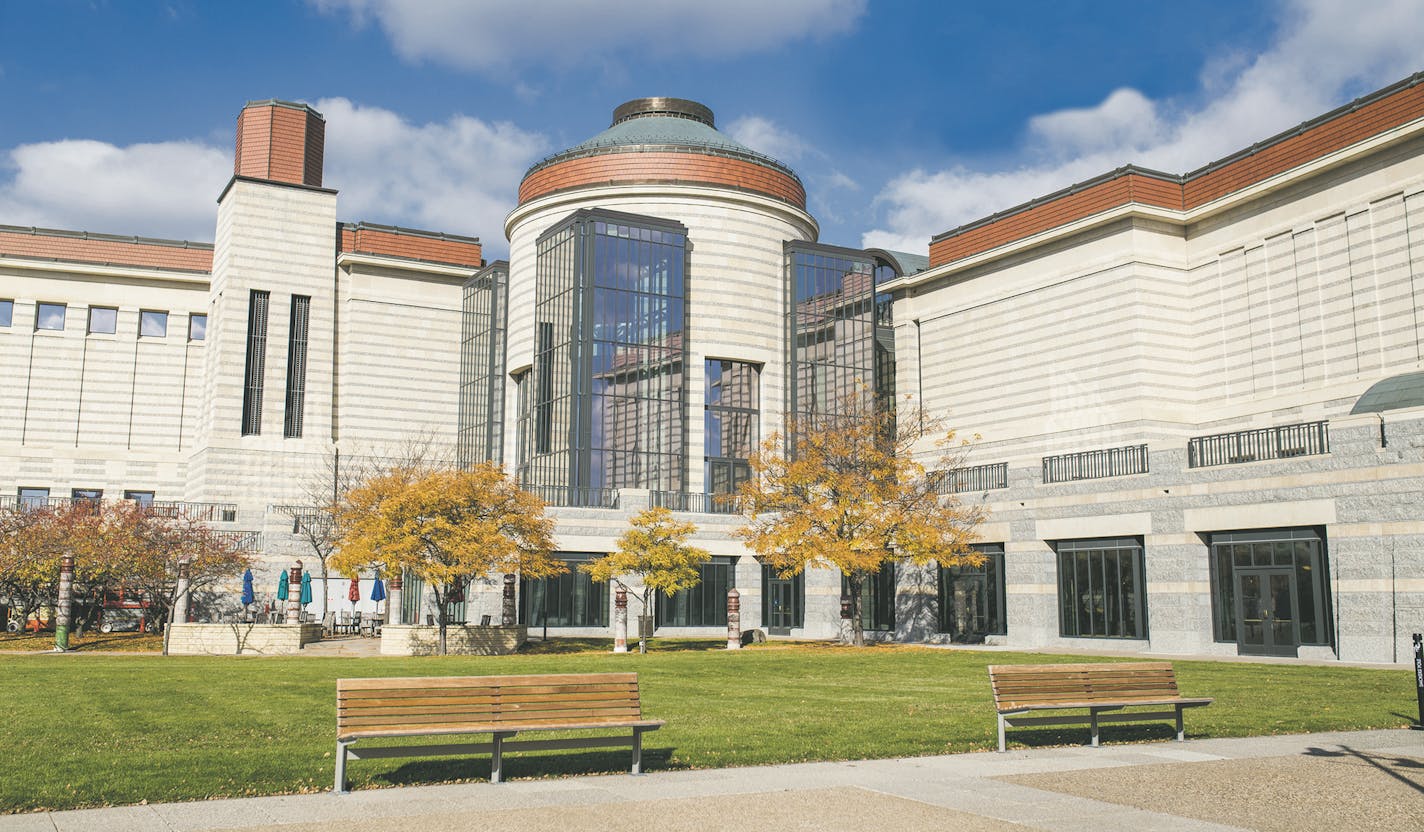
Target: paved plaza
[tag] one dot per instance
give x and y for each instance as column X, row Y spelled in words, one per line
column 1360, row 780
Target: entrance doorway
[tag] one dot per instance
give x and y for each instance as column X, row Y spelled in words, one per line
column 783, row 601
column 1267, row 622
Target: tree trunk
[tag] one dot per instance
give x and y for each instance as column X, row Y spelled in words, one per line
column 442, row 603
column 647, row 611
column 857, row 629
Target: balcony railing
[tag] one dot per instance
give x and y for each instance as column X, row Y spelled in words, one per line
column 703, row 503
column 1091, row 465
column 1283, row 442
column 575, row 496
column 250, row 542
column 205, row 512
column 973, row 478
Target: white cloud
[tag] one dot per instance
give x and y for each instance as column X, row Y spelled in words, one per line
column 163, row 189
column 496, row 34
column 460, row 176
column 765, row 136
column 1326, row 53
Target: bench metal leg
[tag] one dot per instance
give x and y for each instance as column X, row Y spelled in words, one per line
column 341, row 767
column 1002, row 747
column 497, row 756
column 637, row 751
column 1094, row 712
column 1181, row 730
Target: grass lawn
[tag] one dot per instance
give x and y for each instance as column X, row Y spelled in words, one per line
column 92, row 641
column 98, row 730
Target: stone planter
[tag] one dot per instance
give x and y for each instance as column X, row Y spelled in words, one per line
column 460, row 639
column 240, row 639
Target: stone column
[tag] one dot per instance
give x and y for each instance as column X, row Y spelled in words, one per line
column 620, row 621
column 507, row 615
column 393, row 601
column 294, row 594
column 734, row 619
column 66, row 603
column 182, row 601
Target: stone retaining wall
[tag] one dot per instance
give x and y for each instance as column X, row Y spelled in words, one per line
column 246, row 639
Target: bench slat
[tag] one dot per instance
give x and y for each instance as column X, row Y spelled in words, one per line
column 485, row 728
column 484, row 690
column 412, row 703
column 436, row 718
column 422, row 682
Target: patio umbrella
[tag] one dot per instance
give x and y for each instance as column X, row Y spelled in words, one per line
column 248, row 596
column 378, row 590
column 282, row 586
column 353, row 593
column 306, row 589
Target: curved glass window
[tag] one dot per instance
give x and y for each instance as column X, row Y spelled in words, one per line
column 731, row 419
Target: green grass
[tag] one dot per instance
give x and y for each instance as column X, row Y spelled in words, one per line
column 100, row 730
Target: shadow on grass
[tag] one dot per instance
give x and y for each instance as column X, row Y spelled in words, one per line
column 1035, row 738
column 531, row 765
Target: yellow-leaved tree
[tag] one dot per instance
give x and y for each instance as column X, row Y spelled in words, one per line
column 857, row 490
column 655, row 550
column 445, row 526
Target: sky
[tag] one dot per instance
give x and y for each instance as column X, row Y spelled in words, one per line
column 904, row 119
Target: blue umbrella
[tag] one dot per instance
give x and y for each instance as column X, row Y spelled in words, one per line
column 378, row 590
column 306, row 588
column 248, row 596
column 282, row 586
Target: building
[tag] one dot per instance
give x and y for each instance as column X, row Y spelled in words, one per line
column 1200, row 395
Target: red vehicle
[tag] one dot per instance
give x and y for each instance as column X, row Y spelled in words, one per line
column 125, row 611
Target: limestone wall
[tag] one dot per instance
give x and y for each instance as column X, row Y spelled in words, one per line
column 243, row 639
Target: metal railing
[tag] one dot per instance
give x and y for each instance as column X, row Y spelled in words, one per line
column 575, row 496
column 205, row 512
column 973, row 478
column 250, row 542
column 1091, row 465
column 702, row 503
column 1283, row 442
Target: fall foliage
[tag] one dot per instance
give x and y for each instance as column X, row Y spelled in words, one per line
column 655, row 550
column 445, row 526
column 855, row 495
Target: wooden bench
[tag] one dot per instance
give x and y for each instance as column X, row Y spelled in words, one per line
column 1022, row 688
column 502, row 706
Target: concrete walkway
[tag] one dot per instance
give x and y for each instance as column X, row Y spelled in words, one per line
column 1360, row 780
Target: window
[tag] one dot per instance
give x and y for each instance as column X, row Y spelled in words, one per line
column 1299, row 551
column 143, row 498
column 412, row 598
column 31, row 498
column 49, row 316
column 783, row 601
column 877, row 598
column 103, row 320
column 568, row 600
column 705, row 605
column 7, row 312
column 831, row 319
column 482, row 359
column 971, row 598
column 1101, row 589
column 86, row 496
column 732, row 414
column 256, row 365
column 197, row 327
column 152, row 324
column 297, row 366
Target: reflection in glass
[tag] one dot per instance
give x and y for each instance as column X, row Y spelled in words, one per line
column 1100, row 588
column 1301, row 550
column 103, row 320
column 971, row 598
column 732, row 416
column 482, row 359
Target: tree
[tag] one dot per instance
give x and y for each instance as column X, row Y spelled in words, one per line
column 655, row 550
column 852, row 493
column 444, row 526
column 34, row 538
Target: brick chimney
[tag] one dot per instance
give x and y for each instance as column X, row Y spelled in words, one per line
column 280, row 141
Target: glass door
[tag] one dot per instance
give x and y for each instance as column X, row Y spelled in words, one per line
column 1266, row 605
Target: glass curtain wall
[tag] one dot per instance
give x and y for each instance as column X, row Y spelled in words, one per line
column 877, row 598
column 572, row 599
column 831, row 329
column 733, row 413
column 609, row 393
column 482, row 359
column 971, row 598
column 705, row 605
column 1101, row 588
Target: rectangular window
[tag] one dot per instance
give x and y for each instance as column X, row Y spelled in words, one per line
column 482, row 360
column 256, row 362
column 971, row 598
column 877, row 598
column 1300, row 551
column 143, row 498
column 86, row 495
column 832, row 329
column 49, row 316
column 412, row 598
column 572, row 599
column 197, row 327
column 705, row 605
column 1102, row 589
column 297, row 366
column 732, row 413
column 32, row 498
column 7, row 312
column 783, row 601
column 103, row 320
column 152, row 324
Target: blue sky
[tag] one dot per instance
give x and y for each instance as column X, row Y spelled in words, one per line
column 903, row 118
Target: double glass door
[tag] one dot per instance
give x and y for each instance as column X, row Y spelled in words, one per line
column 1266, row 609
